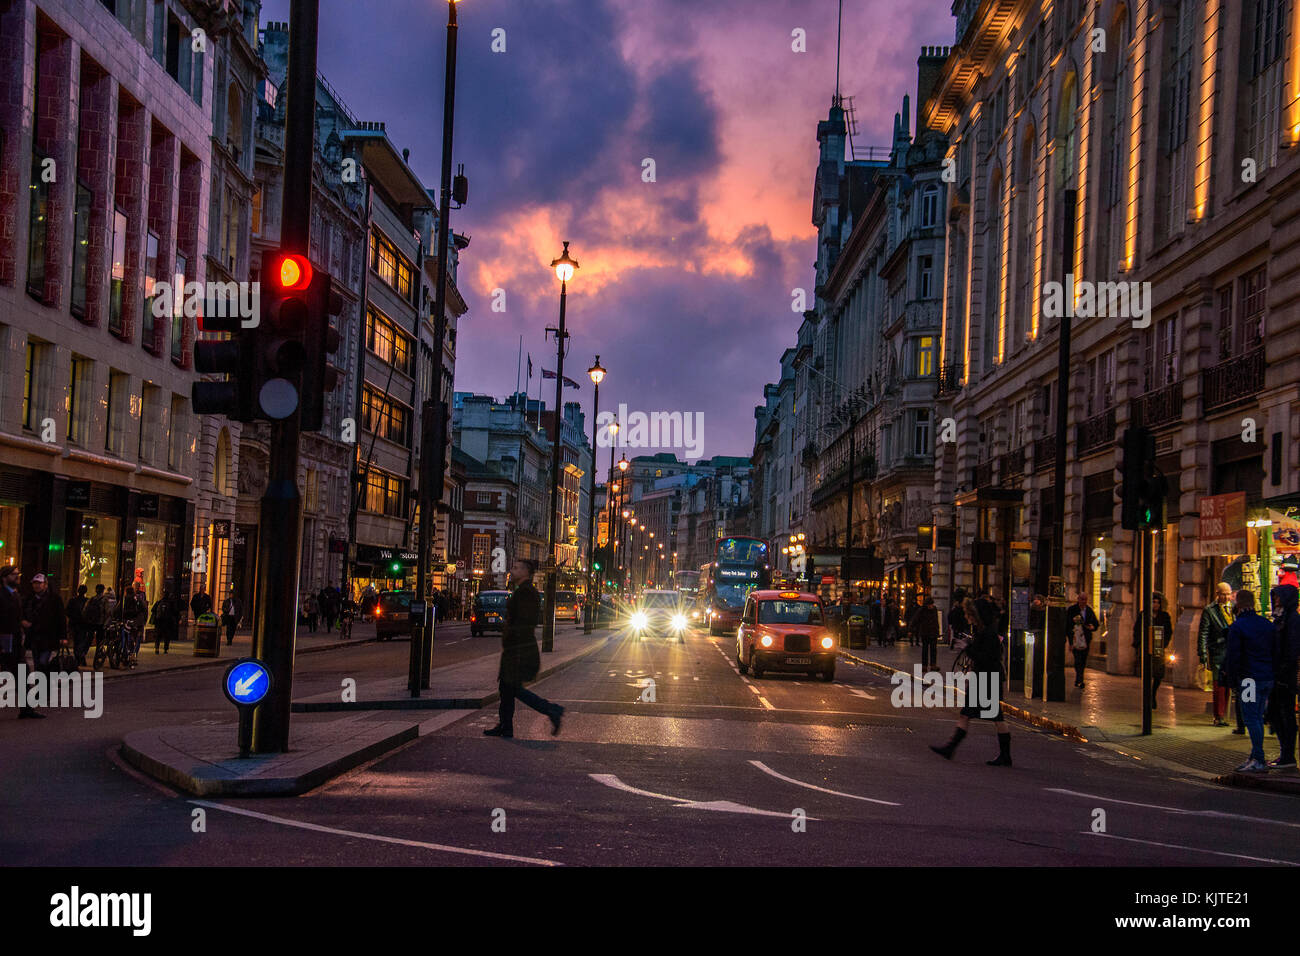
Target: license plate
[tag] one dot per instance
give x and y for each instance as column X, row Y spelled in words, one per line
column 493, row 620
column 798, row 660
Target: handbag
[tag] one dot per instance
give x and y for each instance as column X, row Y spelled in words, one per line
column 1080, row 639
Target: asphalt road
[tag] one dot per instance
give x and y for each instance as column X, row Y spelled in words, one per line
column 716, row 769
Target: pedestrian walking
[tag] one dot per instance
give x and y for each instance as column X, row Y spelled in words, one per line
column 926, row 627
column 1160, row 618
column 1080, row 624
column 1212, row 645
column 78, row 626
column 95, row 615
column 231, row 612
column 166, row 618
column 45, row 620
column 11, row 629
column 1285, row 679
column 957, row 617
column 200, row 603
column 1250, row 662
column 985, row 653
column 910, row 620
column 520, row 657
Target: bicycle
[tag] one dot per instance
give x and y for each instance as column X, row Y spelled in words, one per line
column 122, row 647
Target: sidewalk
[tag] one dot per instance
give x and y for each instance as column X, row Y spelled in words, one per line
column 1108, row 711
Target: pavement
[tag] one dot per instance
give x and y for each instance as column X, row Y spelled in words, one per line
column 668, row 756
column 1108, row 711
column 204, row 759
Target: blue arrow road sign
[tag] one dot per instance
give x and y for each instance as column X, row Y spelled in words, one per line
column 247, row 682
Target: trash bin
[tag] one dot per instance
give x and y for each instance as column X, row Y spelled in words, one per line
column 857, row 628
column 207, row 636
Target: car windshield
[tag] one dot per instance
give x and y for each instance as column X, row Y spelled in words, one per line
column 789, row 612
column 565, row 597
column 493, row 601
column 395, row 600
column 661, row 600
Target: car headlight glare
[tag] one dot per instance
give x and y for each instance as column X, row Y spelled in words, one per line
column 679, row 622
column 639, row 620
column 766, row 640
column 828, row 642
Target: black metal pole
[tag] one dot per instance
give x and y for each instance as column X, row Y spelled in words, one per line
column 848, row 527
column 548, row 617
column 591, row 506
column 280, row 526
column 421, row 660
column 1146, row 552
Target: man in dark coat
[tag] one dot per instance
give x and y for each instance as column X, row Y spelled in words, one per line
column 1250, row 664
column 46, row 621
column 1161, row 620
column 81, row 631
column 11, row 628
column 166, row 622
column 231, row 612
column 520, row 657
column 926, row 626
column 1213, row 645
column 200, row 603
column 1080, row 624
column 1282, row 705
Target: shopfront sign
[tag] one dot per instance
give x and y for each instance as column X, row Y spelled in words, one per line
column 148, row 506
column 78, row 494
column 1222, row 525
column 221, row 529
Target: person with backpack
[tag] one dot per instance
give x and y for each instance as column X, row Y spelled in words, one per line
column 985, row 653
column 166, row 622
column 1282, row 705
column 1250, row 664
column 1080, row 624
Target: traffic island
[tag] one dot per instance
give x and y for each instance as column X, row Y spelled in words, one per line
column 203, row 760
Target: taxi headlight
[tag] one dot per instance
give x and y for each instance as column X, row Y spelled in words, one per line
column 679, row 622
column 828, row 642
column 639, row 620
column 766, row 640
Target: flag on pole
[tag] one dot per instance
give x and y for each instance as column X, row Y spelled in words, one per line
column 569, row 383
column 530, row 368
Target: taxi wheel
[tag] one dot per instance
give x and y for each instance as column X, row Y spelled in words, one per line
column 740, row 664
column 828, row 675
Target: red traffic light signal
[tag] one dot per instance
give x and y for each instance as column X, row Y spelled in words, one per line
column 293, row 272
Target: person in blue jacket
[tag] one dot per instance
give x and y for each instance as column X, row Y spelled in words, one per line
column 1250, row 663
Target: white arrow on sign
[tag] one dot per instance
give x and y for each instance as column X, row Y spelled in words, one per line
column 242, row 687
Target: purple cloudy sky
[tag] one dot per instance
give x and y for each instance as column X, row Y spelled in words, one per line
column 685, row 283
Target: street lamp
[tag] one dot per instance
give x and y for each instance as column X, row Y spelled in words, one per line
column 564, row 267
column 597, row 375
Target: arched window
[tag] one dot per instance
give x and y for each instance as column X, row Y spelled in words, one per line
column 1024, row 205
column 1114, row 185
column 1066, row 135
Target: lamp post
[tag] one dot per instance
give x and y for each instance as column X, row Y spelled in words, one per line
column 433, row 418
column 597, row 374
column 564, row 267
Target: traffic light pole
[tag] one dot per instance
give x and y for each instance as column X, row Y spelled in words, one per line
column 279, row 531
column 433, row 460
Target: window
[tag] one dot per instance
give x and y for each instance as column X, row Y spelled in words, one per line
column 256, row 226
column 178, row 312
column 1049, row 410
column 921, row 432
column 149, row 339
column 384, row 493
column 925, row 356
column 1176, row 113
column 1116, row 153
column 1160, row 354
column 78, row 386
column 930, row 207
column 119, row 394
column 390, row 265
column 311, row 499
column 178, row 445
column 993, row 276
column 383, row 417
column 1264, row 88
column 1101, row 383
column 387, row 342
column 117, row 280
column 481, row 548
column 80, row 248
column 926, row 283
column 1252, row 291
column 38, row 226
column 150, row 423
column 485, row 498
column 29, row 384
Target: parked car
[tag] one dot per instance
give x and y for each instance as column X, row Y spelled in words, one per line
column 488, row 612
column 393, row 614
column 786, row 631
column 568, row 606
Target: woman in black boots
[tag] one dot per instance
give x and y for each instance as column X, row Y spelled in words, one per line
column 985, row 652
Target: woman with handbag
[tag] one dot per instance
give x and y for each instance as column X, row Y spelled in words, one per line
column 985, row 654
column 1080, row 623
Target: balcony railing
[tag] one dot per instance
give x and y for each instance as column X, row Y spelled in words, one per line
column 982, row 475
column 1044, row 453
column 950, row 377
column 1097, row 432
column 1160, row 407
column 1236, row 380
column 1013, row 462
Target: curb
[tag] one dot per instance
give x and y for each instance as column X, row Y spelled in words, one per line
column 210, row 661
column 434, row 703
column 1273, row 782
column 1020, row 713
column 268, row 786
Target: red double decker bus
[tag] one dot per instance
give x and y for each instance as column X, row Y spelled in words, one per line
column 739, row 565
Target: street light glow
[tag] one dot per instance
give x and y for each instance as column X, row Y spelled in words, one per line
column 565, row 265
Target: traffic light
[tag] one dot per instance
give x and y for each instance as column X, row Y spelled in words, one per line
column 321, row 340
column 1143, row 488
column 279, row 353
column 232, row 357
column 434, row 428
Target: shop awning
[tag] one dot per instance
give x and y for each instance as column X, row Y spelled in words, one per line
column 891, row 568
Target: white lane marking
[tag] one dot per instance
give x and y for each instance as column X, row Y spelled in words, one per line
column 1193, row 849
column 1194, row 813
column 764, row 701
column 861, row 693
column 754, row 689
column 378, row 838
column 725, row 806
column 812, row 786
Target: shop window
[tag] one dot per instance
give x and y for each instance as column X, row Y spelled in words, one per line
column 100, row 540
column 11, row 536
column 151, row 553
column 119, row 396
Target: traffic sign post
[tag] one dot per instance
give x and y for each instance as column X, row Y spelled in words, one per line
column 246, row 684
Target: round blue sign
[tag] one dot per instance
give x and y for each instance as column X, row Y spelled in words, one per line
column 247, row 682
